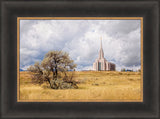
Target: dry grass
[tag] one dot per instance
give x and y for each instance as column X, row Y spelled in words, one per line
column 93, row 86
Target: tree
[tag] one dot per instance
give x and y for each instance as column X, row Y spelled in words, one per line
column 53, row 63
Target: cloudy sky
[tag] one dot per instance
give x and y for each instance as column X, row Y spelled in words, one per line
column 81, row 39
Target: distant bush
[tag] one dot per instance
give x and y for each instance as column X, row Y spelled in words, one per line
column 123, row 70
column 139, row 70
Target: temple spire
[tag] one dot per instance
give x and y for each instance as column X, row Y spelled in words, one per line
column 101, row 42
column 101, row 53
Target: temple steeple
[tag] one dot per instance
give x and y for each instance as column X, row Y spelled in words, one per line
column 101, row 64
column 101, row 53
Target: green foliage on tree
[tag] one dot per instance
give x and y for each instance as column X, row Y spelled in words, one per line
column 54, row 62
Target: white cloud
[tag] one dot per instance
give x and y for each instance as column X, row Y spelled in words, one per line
column 80, row 38
column 25, row 67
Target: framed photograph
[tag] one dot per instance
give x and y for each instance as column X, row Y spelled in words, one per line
column 80, row 59
column 85, row 75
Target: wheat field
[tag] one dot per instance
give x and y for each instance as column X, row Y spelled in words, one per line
column 105, row 86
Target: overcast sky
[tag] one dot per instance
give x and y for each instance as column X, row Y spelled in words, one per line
column 81, row 39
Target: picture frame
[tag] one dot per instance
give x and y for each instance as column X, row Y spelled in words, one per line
column 149, row 108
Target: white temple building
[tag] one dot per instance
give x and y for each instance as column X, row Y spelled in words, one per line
column 101, row 64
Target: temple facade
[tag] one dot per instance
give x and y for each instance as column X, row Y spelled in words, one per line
column 101, row 64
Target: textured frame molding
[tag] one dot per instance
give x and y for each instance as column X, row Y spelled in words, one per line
column 11, row 9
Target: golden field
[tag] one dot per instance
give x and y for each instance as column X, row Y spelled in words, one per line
column 94, row 86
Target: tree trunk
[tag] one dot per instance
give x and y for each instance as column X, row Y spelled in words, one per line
column 56, row 71
column 49, row 82
column 53, row 76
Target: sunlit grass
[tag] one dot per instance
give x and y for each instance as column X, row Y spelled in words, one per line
column 93, row 85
